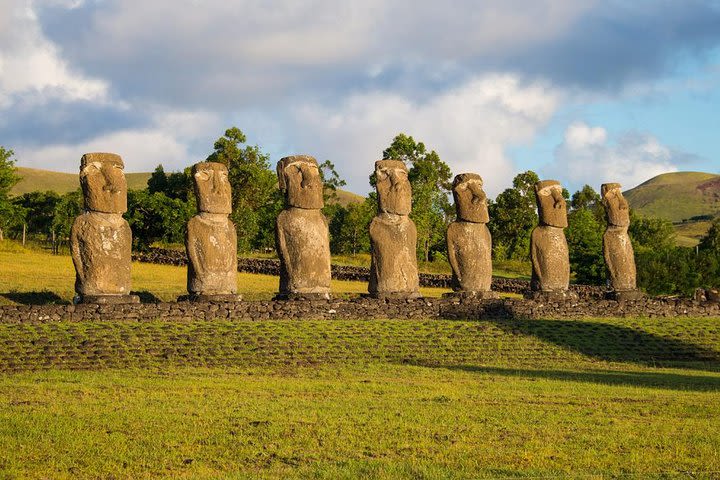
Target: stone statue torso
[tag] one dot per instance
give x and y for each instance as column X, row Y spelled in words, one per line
column 620, row 258
column 101, row 245
column 393, row 265
column 304, row 251
column 469, row 250
column 212, row 253
column 549, row 254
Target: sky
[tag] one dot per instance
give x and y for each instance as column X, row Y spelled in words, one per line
column 581, row 91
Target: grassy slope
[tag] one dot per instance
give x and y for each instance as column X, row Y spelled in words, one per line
column 674, row 196
column 34, row 179
column 42, row 180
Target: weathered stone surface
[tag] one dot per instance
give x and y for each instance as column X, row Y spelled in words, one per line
column 100, row 239
column 393, row 236
column 211, row 238
column 548, row 246
column 617, row 248
column 301, row 234
column 468, row 239
column 470, row 199
column 393, row 187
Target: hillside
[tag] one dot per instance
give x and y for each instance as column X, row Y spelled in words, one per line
column 34, row 179
column 688, row 199
column 677, row 196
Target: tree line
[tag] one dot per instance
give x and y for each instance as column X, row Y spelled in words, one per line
column 159, row 213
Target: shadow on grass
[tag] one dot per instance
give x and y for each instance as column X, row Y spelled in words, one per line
column 665, row 380
column 616, row 343
column 35, row 298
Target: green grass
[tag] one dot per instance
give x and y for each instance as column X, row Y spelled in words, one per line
column 361, row 399
column 327, row 399
column 675, row 196
column 31, row 276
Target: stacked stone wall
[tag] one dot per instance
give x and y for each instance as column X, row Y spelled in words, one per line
column 271, row 266
column 359, row 308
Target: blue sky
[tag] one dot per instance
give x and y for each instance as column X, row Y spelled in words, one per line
column 583, row 91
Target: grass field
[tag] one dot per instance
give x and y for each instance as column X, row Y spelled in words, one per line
column 408, row 399
column 34, row 276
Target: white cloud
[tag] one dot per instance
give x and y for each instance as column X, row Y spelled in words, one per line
column 31, row 65
column 586, row 156
column 168, row 141
column 469, row 127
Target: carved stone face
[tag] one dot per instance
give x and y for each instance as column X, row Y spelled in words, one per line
column 103, row 183
column 616, row 207
column 393, row 187
column 470, row 199
column 212, row 187
column 551, row 204
column 299, row 178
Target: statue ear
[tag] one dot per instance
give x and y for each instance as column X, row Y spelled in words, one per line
column 281, row 176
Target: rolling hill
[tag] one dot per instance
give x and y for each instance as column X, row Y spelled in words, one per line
column 688, row 199
column 34, row 179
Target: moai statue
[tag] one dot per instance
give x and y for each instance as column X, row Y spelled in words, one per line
column 617, row 249
column 548, row 246
column 301, row 233
column 211, row 239
column 100, row 238
column 393, row 236
column 469, row 242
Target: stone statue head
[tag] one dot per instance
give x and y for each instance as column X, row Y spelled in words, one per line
column 616, row 207
column 551, row 204
column 212, row 187
column 299, row 179
column 393, row 187
column 103, row 183
column 470, row 200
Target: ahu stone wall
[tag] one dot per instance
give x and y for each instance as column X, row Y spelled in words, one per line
column 360, row 308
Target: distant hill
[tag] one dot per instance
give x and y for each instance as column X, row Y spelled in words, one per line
column 34, row 179
column 688, row 199
column 677, row 196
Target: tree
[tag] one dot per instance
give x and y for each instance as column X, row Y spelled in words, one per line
column 584, row 237
column 430, row 179
column 9, row 214
column 349, row 227
column 584, row 198
column 331, row 181
column 255, row 197
column 512, row 218
column 156, row 217
column 69, row 207
column 38, row 211
column 177, row 185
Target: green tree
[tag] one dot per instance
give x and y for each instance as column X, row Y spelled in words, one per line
column 512, row 218
column 256, row 199
column 38, row 211
column 349, row 228
column 156, row 217
column 69, row 207
column 177, row 185
column 430, row 179
column 9, row 213
column 584, row 237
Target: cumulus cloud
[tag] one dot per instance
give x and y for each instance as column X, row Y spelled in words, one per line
column 469, row 126
column 30, row 65
column 168, row 140
column 588, row 156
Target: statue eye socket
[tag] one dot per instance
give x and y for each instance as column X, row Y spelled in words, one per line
column 202, row 176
